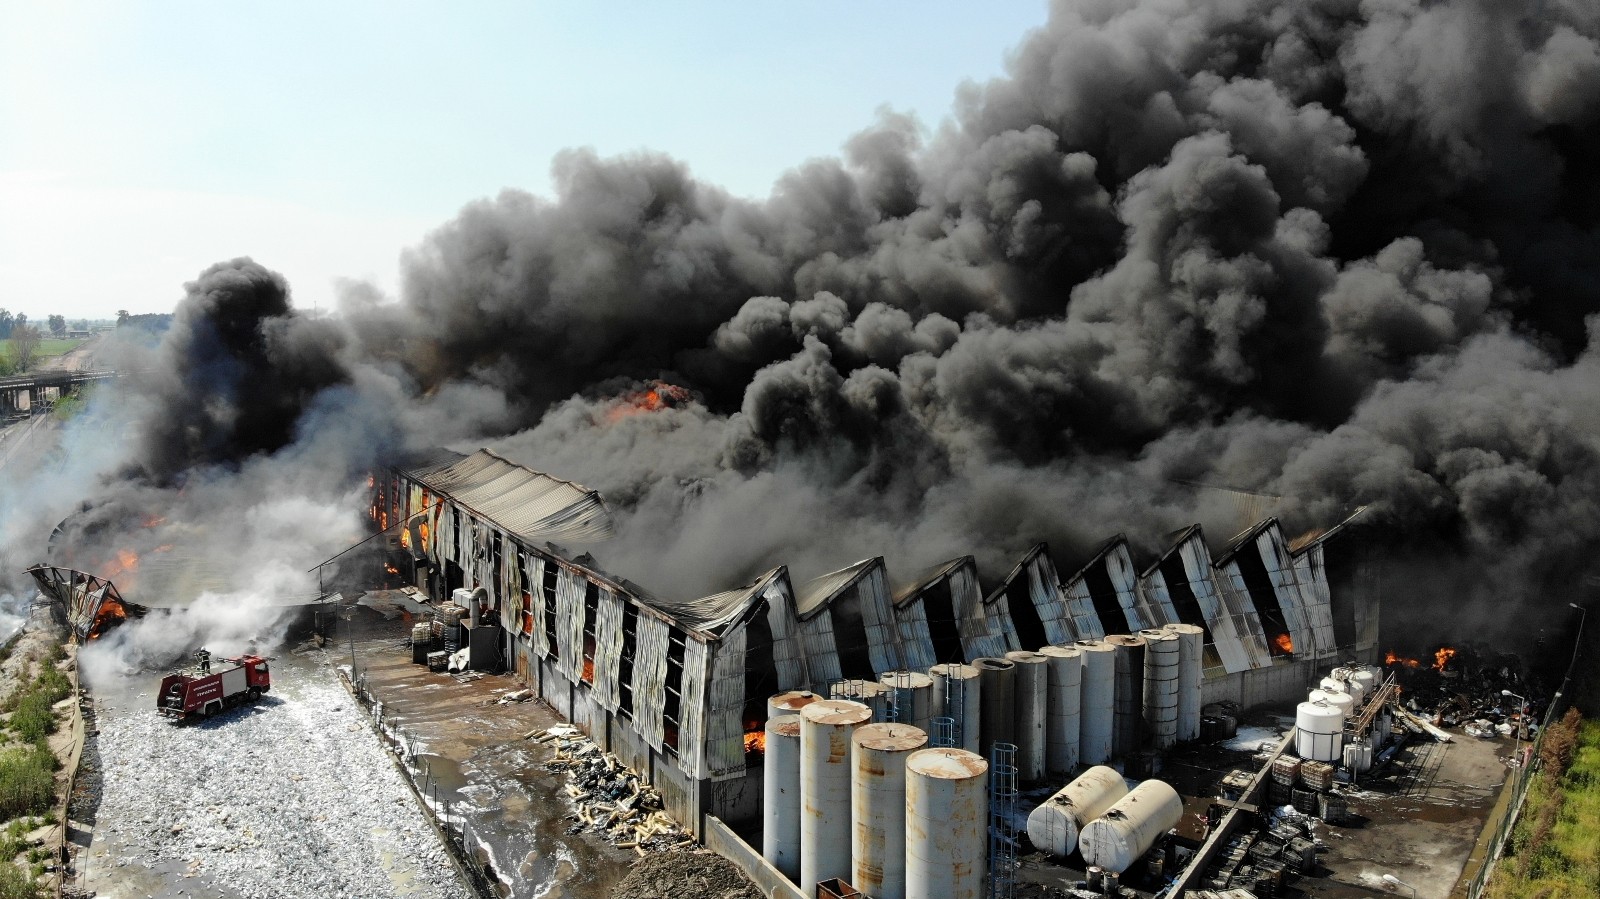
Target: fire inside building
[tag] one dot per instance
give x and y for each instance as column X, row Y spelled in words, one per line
column 679, row 690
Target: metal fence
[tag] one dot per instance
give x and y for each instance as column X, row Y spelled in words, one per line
column 1512, row 810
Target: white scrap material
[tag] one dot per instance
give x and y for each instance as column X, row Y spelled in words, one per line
column 1249, row 739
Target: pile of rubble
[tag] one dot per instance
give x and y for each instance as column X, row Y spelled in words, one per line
column 686, row 875
column 610, row 798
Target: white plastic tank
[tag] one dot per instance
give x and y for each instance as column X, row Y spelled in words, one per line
column 1161, row 658
column 911, row 695
column 958, row 694
column 1191, row 659
column 1358, row 756
column 1097, row 714
column 780, row 786
column 1033, row 709
column 878, row 806
column 947, row 825
column 1331, row 684
column 1062, row 726
column 1054, row 825
column 999, row 703
column 1352, row 684
column 1128, row 829
column 1127, row 733
column 1319, row 731
column 826, row 727
column 1343, row 701
column 869, row 693
column 1366, row 677
column 790, row 703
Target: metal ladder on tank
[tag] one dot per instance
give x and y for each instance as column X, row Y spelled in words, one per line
column 1002, row 821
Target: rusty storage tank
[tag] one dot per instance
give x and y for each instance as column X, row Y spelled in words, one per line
column 826, row 727
column 1033, row 709
column 1161, row 652
column 790, row 703
column 1127, row 732
column 1054, row 825
column 999, row 721
column 1098, row 711
column 1191, row 660
column 1065, row 695
column 869, row 693
column 958, row 695
column 780, row 796
column 910, row 696
column 1128, row 829
column 878, row 806
column 947, row 842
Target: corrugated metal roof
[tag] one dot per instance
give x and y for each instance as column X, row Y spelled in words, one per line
column 815, row 593
column 928, row 578
column 713, row 613
column 527, row 503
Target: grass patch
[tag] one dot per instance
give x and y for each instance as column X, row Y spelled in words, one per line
column 1554, row 850
column 27, row 781
column 18, row 884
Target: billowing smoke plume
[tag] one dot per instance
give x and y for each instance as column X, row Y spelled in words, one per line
column 1340, row 253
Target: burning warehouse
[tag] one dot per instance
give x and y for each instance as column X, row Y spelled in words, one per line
column 679, row 689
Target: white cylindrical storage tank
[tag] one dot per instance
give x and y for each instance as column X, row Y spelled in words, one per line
column 1358, row 756
column 869, row 693
column 958, row 694
column 999, row 703
column 911, row 695
column 1065, row 698
column 947, row 825
column 1097, row 715
column 1033, row 710
column 1331, row 684
column 1161, row 659
column 825, row 833
column 878, row 807
column 1128, row 829
column 790, row 703
column 1127, row 733
column 780, row 796
column 1191, row 659
column 1342, row 701
column 1319, row 731
column 1352, row 684
column 1054, row 825
column 1366, row 678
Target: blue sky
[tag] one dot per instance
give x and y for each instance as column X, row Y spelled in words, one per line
column 140, row 142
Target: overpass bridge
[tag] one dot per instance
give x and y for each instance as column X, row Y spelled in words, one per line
column 42, row 388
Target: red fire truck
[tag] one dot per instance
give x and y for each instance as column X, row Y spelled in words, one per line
column 204, row 690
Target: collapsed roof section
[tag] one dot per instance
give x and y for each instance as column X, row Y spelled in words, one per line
column 524, row 502
column 90, row 604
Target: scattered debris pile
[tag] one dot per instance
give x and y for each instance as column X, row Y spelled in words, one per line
column 611, row 799
column 685, row 875
column 1483, row 692
column 1267, row 860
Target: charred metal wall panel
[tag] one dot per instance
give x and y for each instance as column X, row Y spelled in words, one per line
column 692, row 709
column 1080, row 605
column 608, row 650
column 1224, row 630
column 1157, row 598
column 1242, row 612
column 724, row 753
column 816, row 643
column 1125, row 581
column 877, row 611
column 981, row 636
column 911, row 619
column 1279, row 564
column 1312, row 576
column 1044, row 590
column 788, row 656
column 650, row 679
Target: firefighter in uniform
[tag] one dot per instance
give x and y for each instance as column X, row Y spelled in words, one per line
column 204, row 658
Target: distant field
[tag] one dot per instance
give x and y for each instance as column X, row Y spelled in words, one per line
column 47, row 347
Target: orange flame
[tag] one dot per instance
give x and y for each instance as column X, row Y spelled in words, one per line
column 126, row 562
column 659, row 395
column 152, row 520
column 1393, row 658
column 110, row 614
column 1283, row 642
column 588, row 670
column 1442, row 658
column 756, row 741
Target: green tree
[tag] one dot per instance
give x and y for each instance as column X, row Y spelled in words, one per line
column 24, row 344
column 58, row 324
column 6, row 321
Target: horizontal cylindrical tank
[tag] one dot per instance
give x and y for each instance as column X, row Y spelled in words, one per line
column 947, row 844
column 790, row 703
column 1358, row 756
column 1342, row 701
column 1161, row 658
column 1054, row 825
column 869, row 693
column 1098, row 710
column 1318, row 731
column 911, row 697
column 1066, row 695
column 1128, row 829
column 878, row 806
column 999, row 723
column 1127, row 733
column 1033, row 709
column 958, row 695
column 826, row 727
column 1191, row 658
column 780, row 786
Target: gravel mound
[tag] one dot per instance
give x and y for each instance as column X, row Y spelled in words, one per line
column 685, row 875
column 291, row 797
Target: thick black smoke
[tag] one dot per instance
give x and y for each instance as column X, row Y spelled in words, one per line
column 1333, row 251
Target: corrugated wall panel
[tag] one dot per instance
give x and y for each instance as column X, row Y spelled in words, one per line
column 725, row 708
column 569, row 621
column 608, row 650
column 1220, row 622
column 692, row 709
column 1242, row 611
column 1313, row 579
column 541, row 641
column 1125, row 581
column 916, row 643
column 788, row 656
column 1044, row 590
column 821, row 654
column 444, row 533
column 1080, row 605
column 511, row 578
column 981, row 637
column 877, row 611
column 1279, row 564
column 650, row 679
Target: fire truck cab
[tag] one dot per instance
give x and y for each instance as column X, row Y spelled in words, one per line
column 211, row 688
